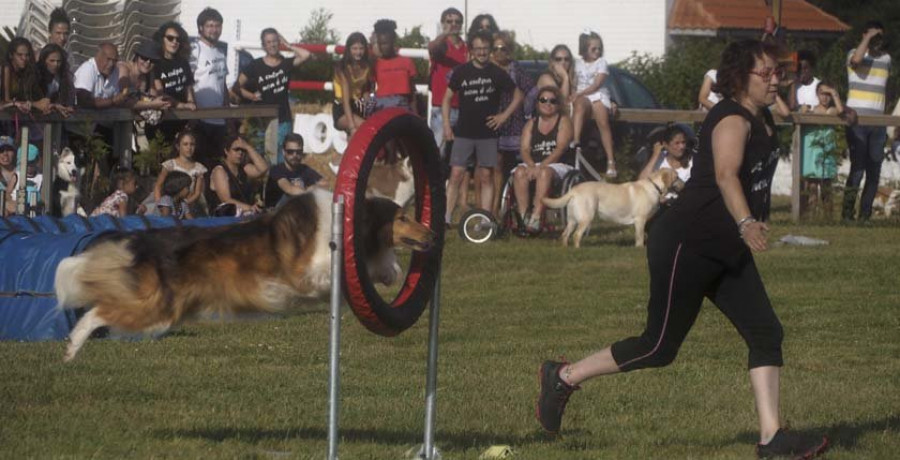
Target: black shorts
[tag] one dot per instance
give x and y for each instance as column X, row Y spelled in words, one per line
column 337, row 110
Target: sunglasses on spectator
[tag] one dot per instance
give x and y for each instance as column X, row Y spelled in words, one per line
column 562, row 58
column 293, row 151
column 501, row 48
column 145, row 59
column 548, row 100
column 173, row 38
column 766, row 74
column 453, row 21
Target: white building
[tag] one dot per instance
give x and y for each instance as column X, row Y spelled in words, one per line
column 626, row 26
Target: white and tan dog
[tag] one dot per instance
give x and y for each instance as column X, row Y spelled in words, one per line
column 628, row 203
column 68, row 171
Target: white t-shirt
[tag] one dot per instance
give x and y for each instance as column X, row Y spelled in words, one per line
column 210, row 68
column 713, row 96
column 88, row 78
column 806, row 94
column 683, row 173
column 586, row 73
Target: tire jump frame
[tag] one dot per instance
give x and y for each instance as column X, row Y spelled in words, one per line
column 348, row 269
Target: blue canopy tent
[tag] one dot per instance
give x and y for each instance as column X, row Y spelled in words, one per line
column 31, row 249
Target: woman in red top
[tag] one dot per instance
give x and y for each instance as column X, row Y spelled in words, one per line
column 393, row 73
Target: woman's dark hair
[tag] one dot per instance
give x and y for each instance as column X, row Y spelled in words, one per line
column 508, row 40
column 343, row 65
column 808, row 56
column 209, row 14
column 673, row 130
column 229, row 141
column 267, row 31
column 27, row 84
column 175, row 182
column 585, row 39
column 386, row 27
column 738, row 59
column 184, row 47
column 58, row 16
column 476, row 24
column 62, row 75
column 450, row 11
column 482, row 35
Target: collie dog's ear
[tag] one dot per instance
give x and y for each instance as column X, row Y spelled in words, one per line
column 378, row 219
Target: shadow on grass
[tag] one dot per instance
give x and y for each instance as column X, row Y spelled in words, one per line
column 844, row 435
column 445, row 440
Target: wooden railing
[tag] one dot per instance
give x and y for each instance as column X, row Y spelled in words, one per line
column 122, row 121
column 795, row 119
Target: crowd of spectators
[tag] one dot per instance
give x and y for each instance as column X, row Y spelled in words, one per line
column 490, row 118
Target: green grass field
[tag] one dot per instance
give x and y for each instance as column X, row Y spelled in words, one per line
column 258, row 389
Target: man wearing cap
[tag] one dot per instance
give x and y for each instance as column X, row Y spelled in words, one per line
column 8, row 176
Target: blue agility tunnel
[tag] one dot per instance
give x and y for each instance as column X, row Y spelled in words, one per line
column 31, row 249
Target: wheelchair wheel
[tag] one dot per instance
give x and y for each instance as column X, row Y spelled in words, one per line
column 477, row 226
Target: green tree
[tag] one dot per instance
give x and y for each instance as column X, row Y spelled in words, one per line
column 318, row 30
column 414, row 39
column 675, row 77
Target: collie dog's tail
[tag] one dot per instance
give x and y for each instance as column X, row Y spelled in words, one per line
column 103, row 268
column 560, row 202
column 68, row 286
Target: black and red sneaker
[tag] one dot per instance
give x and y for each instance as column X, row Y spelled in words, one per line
column 792, row 445
column 553, row 397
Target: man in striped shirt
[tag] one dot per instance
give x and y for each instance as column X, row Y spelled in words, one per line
column 868, row 67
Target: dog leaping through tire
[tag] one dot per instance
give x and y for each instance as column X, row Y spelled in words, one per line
column 154, row 280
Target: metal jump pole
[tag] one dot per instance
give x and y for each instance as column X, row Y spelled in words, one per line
column 334, row 376
column 429, row 450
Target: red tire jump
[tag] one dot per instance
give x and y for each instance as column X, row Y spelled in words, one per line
column 377, row 315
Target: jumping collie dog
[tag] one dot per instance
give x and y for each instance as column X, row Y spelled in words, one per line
column 150, row 281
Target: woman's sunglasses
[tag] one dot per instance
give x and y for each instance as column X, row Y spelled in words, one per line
column 548, row 100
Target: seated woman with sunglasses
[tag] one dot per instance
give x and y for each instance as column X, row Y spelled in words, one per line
column 545, row 139
column 232, row 180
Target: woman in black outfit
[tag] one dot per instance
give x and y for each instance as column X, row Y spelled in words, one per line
column 232, row 183
column 702, row 248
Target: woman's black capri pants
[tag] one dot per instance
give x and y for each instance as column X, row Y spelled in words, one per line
column 679, row 280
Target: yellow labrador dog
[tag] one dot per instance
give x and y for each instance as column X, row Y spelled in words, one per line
column 628, row 203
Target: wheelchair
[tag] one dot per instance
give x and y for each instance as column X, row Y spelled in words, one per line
column 480, row 226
